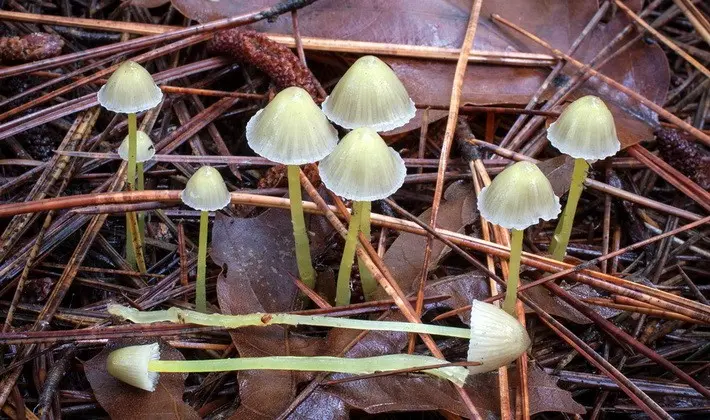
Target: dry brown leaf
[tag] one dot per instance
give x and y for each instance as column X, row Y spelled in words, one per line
column 405, row 256
column 642, row 68
column 439, row 23
column 124, row 402
column 546, row 396
column 558, row 171
column 149, row 3
column 257, row 257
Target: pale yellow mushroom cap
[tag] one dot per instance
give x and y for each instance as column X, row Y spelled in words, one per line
column 369, row 95
column 291, row 130
column 497, row 338
column 144, row 148
column 130, row 365
column 362, row 167
column 519, row 197
column 206, row 190
column 130, row 90
column 585, row 130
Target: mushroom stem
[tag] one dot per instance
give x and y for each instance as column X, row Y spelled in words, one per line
column 563, row 231
column 184, row 316
column 365, row 365
column 300, row 236
column 134, row 235
column 516, row 249
column 200, row 286
column 369, row 284
column 140, row 186
column 342, row 291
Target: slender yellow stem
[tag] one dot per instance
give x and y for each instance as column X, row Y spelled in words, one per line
column 134, row 251
column 132, row 150
column 369, row 284
column 364, row 365
column 300, row 235
column 342, row 288
column 185, row 316
column 140, row 186
column 200, row 285
column 563, row 231
column 511, row 292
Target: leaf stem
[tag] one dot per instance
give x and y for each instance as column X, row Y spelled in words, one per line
column 563, row 231
column 300, row 236
column 200, row 286
column 511, row 292
column 342, row 290
column 364, row 365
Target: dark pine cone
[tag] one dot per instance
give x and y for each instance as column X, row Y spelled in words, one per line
column 685, row 155
column 276, row 60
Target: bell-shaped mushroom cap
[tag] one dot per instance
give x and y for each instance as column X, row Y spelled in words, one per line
column 362, row 167
column 144, row 148
column 130, row 90
column 130, row 365
column 206, row 190
column 585, row 130
column 369, row 95
column 519, row 197
column 497, row 338
column 291, row 130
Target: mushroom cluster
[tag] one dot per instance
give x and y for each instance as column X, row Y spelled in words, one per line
column 130, row 90
column 369, row 98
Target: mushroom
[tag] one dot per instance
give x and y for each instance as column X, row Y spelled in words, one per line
column 130, row 365
column 293, row 131
column 585, row 130
column 145, row 150
column 369, row 95
column 130, row 90
column 362, row 169
column 497, row 338
column 517, row 198
column 205, row 191
column 140, row 365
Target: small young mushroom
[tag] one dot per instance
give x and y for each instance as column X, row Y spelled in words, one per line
column 205, row 191
column 585, row 130
column 517, row 198
column 145, row 150
column 362, row 169
column 140, row 365
column 293, row 131
column 130, row 90
column 369, row 95
column 497, row 338
column 130, row 365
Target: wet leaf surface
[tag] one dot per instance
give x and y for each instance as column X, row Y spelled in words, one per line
column 258, row 258
column 642, row 68
column 124, row 402
column 558, row 171
column 405, row 256
column 545, row 395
